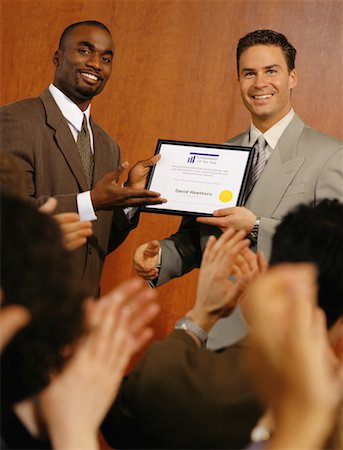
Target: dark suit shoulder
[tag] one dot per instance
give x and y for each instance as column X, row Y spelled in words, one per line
column 24, row 107
column 203, row 394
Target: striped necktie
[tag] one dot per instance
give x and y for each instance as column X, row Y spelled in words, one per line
column 83, row 144
column 258, row 163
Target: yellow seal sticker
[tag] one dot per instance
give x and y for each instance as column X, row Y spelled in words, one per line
column 225, row 196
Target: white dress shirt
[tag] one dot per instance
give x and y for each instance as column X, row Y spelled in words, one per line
column 74, row 117
column 273, row 134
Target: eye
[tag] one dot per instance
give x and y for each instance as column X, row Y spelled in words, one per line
column 271, row 71
column 249, row 74
column 84, row 51
column 107, row 59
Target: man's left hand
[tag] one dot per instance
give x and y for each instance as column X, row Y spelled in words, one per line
column 238, row 218
column 139, row 172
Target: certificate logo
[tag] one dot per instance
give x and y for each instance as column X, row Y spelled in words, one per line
column 225, row 196
column 202, row 158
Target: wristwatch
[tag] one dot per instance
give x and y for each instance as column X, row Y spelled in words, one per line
column 254, row 232
column 187, row 324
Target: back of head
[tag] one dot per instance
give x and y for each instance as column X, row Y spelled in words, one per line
column 315, row 234
column 36, row 272
column 267, row 37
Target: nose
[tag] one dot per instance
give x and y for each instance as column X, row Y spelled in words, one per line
column 260, row 80
column 94, row 61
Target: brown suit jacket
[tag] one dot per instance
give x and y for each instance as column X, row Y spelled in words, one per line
column 35, row 130
column 182, row 396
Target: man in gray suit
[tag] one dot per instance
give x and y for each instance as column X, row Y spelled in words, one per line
column 298, row 164
column 65, row 154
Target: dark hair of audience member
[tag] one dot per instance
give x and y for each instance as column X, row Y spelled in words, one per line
column 36, row 272
column 315, row 234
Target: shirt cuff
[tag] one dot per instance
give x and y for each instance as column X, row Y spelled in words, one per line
column 85, row 206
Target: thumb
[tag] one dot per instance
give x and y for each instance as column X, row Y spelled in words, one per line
column 12, row 318
column 152, row 249
column 49, row 206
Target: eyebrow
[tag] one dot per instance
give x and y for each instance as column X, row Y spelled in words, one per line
column 92, row 46
column 271, row 66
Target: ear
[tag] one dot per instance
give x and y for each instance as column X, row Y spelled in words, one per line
column 293, row 78
column 56, row 58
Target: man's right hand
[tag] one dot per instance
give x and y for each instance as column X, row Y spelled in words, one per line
column 106, row 193
column 145, row 260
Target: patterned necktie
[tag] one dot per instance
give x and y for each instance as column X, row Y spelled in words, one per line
column 83, row 144
column 258, row 163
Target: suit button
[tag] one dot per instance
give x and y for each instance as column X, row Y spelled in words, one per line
column 89, row 250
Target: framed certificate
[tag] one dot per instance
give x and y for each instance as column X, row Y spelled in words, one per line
column 197, row 179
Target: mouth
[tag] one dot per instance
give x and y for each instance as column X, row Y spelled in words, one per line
column 262, row 96
column 91, row 77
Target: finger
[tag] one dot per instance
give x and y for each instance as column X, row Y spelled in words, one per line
column 143, row 201
column 217, row 222
column 262, row 262
column 49, row 206
column 251, row 260
column 151, row 161
column 139, row 193
column 12, row 318
column 223, row 212
column 64, row 218
column 208, row 249
column 152, row 249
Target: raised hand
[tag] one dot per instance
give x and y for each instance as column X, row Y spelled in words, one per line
column 292, row 365
column 74, row 231
column 76, row 401
column 107, row 194
column 217, row 295
column 145, row 260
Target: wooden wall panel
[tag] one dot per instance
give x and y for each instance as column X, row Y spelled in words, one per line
column 174, row 77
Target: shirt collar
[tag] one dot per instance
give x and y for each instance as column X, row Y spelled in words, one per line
column 69, row 109
column 274, row 133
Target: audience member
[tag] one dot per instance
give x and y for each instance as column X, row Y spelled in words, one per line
column 62, row 370
column 184, row 396
column 291, row 362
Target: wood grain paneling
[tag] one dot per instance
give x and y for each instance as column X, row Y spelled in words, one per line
column 174, row 77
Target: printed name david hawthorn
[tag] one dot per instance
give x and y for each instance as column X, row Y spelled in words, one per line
column 191, row 192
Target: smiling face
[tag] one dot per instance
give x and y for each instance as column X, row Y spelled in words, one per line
column 83, row 63
column 265, row 84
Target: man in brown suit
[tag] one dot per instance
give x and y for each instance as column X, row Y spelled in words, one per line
column 44, row 133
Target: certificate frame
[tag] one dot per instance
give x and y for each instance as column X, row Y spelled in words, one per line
column 195, row 153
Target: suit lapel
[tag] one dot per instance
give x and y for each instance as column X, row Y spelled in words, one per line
column 279, row 172
column 64, row 139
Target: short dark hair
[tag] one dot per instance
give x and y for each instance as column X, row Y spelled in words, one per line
column 36, row 272
column 315, row 234
column 267, row 37
column 91, row 23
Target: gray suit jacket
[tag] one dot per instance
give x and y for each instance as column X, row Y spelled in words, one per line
column 36, row 131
